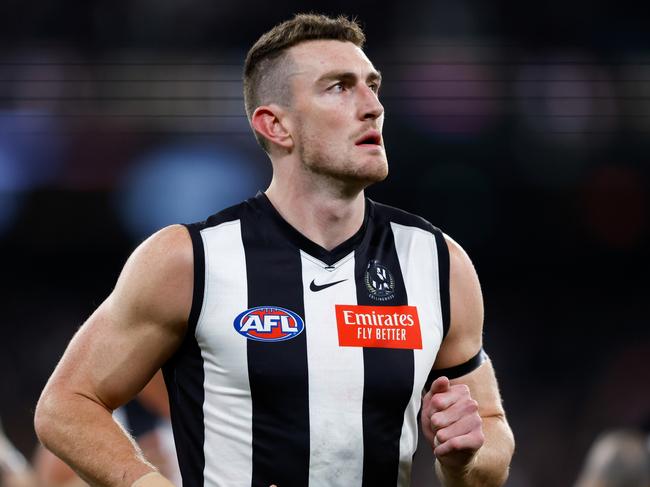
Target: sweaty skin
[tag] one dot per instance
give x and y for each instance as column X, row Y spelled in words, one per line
column 314, row 152
column 463, row 420
column 113, row 355
column 51, row 471
column 326, row 147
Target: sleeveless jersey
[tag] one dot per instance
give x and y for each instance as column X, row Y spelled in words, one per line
column 302, row 366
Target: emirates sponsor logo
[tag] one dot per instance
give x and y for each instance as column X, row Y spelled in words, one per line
column 378, row 326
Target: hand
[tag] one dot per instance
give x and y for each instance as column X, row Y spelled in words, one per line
column 451, row 424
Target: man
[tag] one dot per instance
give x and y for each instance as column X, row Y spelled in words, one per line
column 297, row 329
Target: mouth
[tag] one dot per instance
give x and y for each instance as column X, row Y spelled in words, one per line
column 371, row 138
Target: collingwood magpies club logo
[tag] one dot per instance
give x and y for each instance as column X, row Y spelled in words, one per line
column 380, row 282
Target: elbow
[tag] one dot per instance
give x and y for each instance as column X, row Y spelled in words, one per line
column 501, row 450
column 508, row 449
column 45, row 418
column 510, row 442
column 41, row 420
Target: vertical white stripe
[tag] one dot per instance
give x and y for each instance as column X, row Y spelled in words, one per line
column 227, row 408
column 418, row 258
column 335, row 380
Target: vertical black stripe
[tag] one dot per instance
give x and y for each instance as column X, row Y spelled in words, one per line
column 388, row 373
column 277, row 370
column 443, row 275
column 199, row 276
column 184, row 378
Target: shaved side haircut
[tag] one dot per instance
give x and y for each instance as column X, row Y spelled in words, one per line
column 268, row 64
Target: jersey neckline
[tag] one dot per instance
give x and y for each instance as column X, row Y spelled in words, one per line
column 299, row 240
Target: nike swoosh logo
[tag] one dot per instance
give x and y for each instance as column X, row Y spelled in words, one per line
column 315, row 287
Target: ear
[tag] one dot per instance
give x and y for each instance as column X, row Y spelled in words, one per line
column 270, row 122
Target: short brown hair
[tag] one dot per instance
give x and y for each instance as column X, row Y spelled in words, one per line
column 267, row 62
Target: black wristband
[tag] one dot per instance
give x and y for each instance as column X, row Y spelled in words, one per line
column 457, row 370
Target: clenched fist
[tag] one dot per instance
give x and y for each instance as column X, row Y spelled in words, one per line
column 451, row 424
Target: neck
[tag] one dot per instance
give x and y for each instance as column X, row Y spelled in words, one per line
column 325, row 216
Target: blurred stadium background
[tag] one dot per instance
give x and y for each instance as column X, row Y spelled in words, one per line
column 521, row 129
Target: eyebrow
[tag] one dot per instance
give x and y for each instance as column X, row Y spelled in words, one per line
column 348, row 76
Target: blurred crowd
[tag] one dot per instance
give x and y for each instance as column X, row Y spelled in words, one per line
column 520, row 130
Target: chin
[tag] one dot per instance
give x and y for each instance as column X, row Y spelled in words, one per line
column 358, row 173
column 378, row 171
column 370, row 175
column 379, row 176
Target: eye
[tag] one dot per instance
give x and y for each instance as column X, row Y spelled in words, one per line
column 338, row 87
column 374, row 87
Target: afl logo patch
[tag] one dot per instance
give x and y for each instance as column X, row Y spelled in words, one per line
column 269, row 324
column 380, row 282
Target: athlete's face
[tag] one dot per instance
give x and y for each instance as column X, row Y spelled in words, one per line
column 337, row 114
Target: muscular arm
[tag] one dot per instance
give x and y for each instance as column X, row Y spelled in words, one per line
column 463, row 419
column 112, row 356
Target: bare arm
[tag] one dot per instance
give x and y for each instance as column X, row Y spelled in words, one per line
column 463, row 419
column 111, row 358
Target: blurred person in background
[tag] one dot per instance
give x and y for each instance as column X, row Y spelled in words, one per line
column 299, row 329
column 618, row 458
column 15, row 471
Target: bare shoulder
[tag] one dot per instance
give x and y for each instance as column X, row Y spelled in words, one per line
column 136, row 329
column 465, row 335
column 170, row 246
column 158, row 277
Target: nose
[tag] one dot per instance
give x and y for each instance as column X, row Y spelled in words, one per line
column 369, row 106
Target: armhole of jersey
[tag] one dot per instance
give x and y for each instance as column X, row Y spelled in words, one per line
column 443, row 276
column 199, row 276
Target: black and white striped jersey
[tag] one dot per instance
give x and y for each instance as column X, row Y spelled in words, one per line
column 302, row 366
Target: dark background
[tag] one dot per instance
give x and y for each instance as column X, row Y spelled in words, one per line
column 519, row 129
